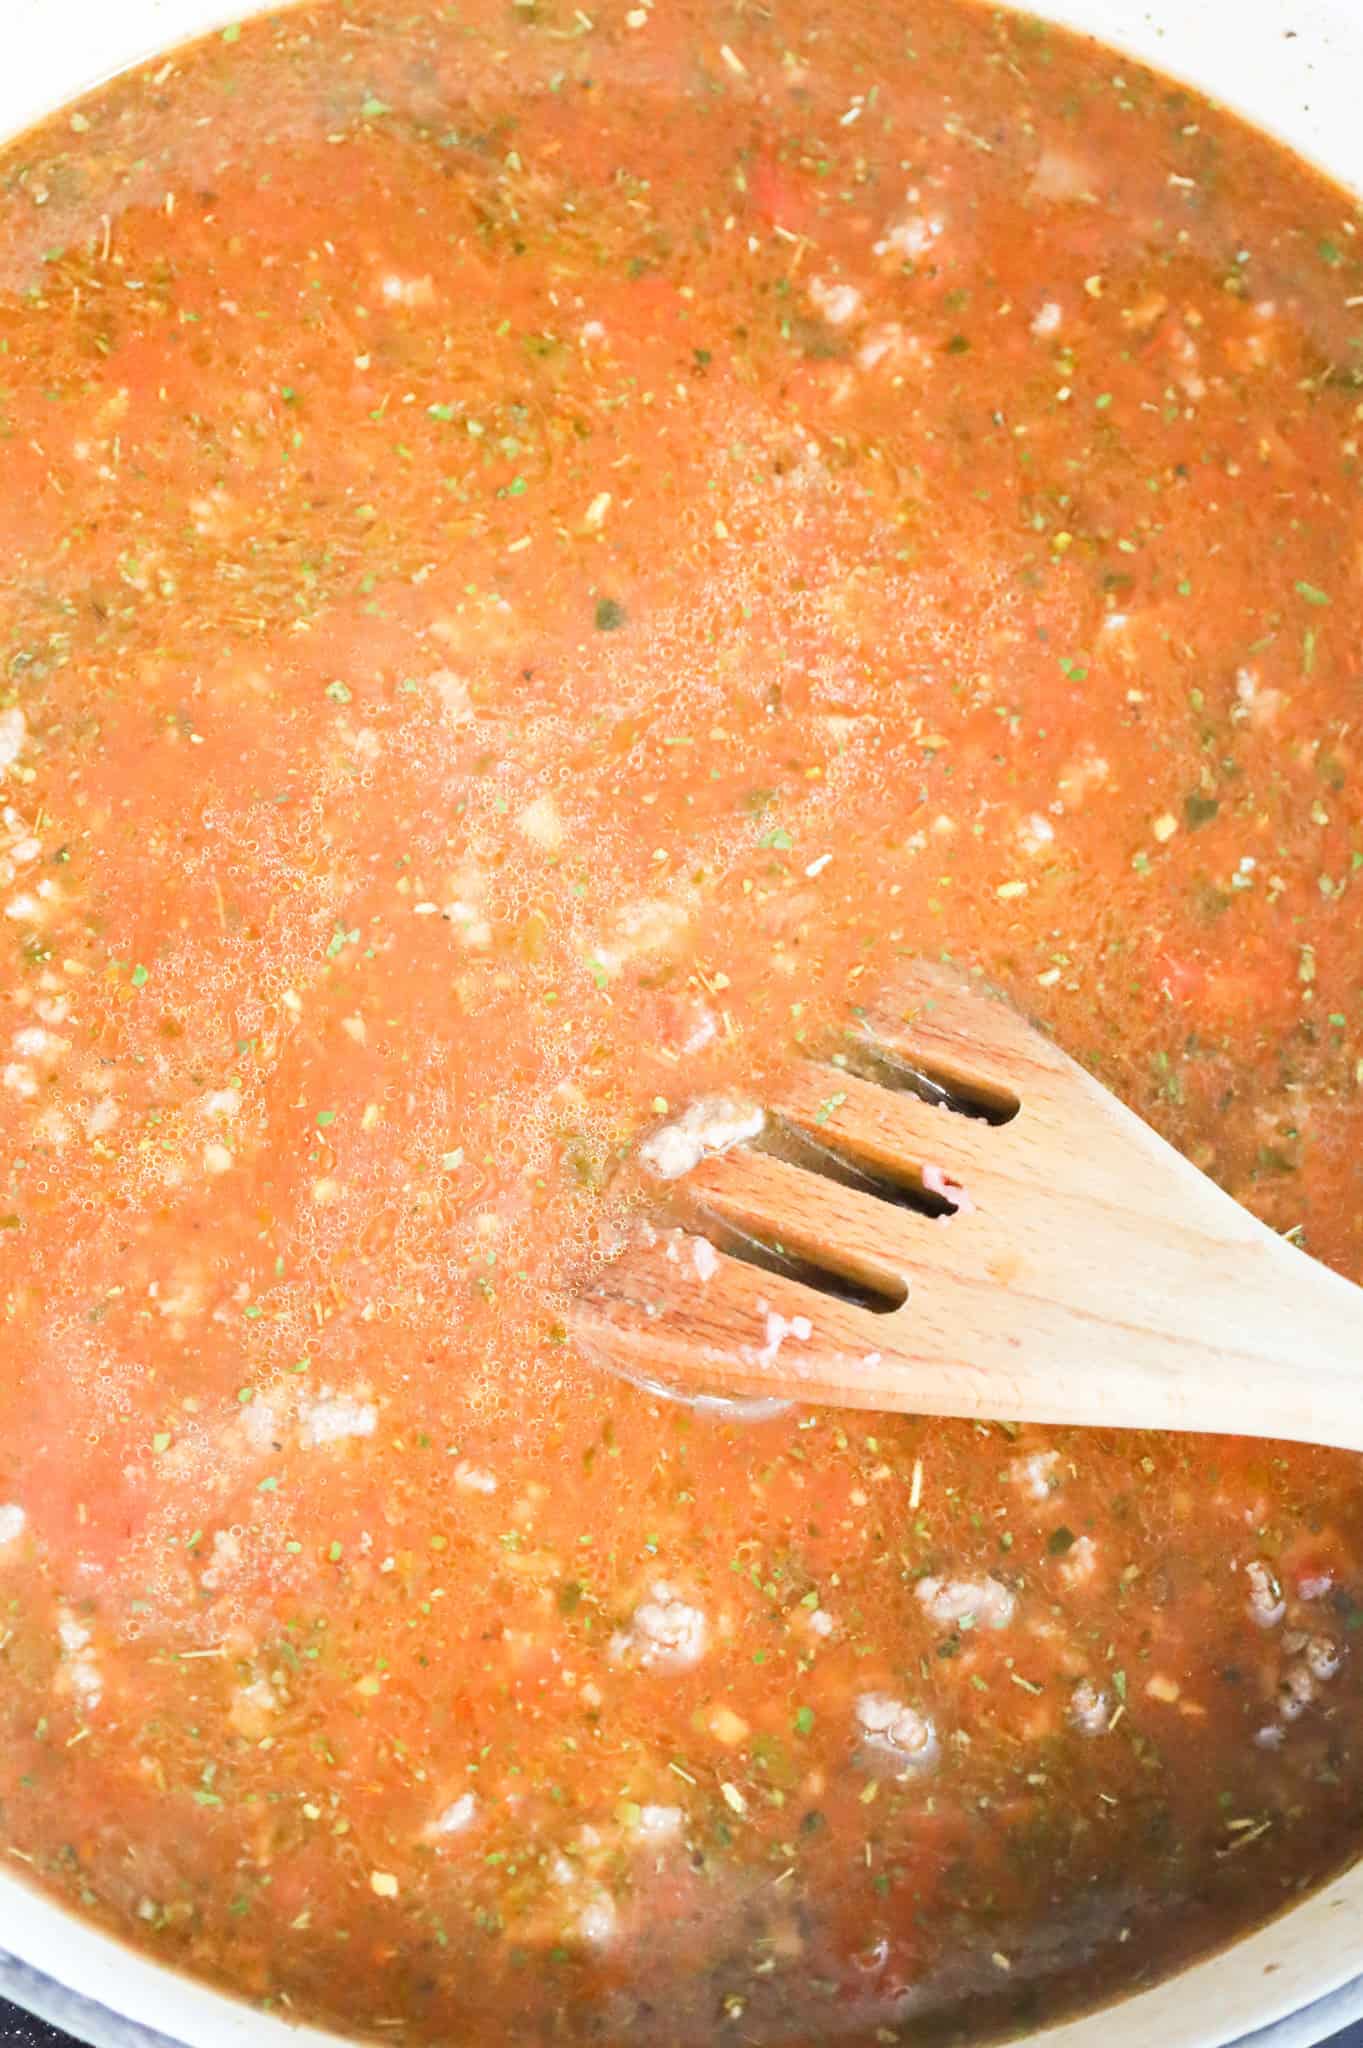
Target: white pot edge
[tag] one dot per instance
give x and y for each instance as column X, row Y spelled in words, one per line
column 1291, row 66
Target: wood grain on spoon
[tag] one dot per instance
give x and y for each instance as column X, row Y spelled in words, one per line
column 1083, row 1270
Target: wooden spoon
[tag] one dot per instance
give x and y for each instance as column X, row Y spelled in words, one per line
column 1078, row 1269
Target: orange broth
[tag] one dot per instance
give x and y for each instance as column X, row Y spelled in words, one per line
column 544, row 548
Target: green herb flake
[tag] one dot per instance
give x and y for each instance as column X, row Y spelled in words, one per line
column 339, row 692
column 140, row 976
column 1060, row 1540
column 778, row 839
column 161, row 1441
column 610, row 615
column 325, row 1117
column 1310, row 593
column 804, row 1720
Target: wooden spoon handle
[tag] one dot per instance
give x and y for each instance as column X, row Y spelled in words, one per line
column 1083, row 1271
column 1289, row 1363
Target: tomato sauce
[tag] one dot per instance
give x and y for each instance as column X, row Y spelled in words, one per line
column 544, row 549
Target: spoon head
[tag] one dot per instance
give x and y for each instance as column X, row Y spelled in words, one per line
column 948, row 1216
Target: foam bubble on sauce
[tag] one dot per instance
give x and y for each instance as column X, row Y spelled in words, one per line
column 1036, row 1474
column 79, row 1673
column 540, row 823
column 261, row 1421
column 1265, row 1600
column 911, row 236
column 1313, row 1660
column 13, row 1522
column 895, row 1733
column 457, row 1817
column 223, row 1560
column 413, row 294
column 647, row 926
column 596, row 1923
column 13, row 734
column 1090, row 1710
column 665, row 1634
column 472, row 1478
column 1079, row 1564
column 985, row 1603
column 1323, row 1657
column 34, row 1042
column 333, row 1417
column 838, row 303
column 101, row 1119
column 660, row 1823
column 1036, row 834
column 712, row 1124
column 253, row 1708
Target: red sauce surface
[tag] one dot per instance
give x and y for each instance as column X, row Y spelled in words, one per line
column 542, row 551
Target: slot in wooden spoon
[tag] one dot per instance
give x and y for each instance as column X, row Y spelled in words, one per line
column 989, row 1234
